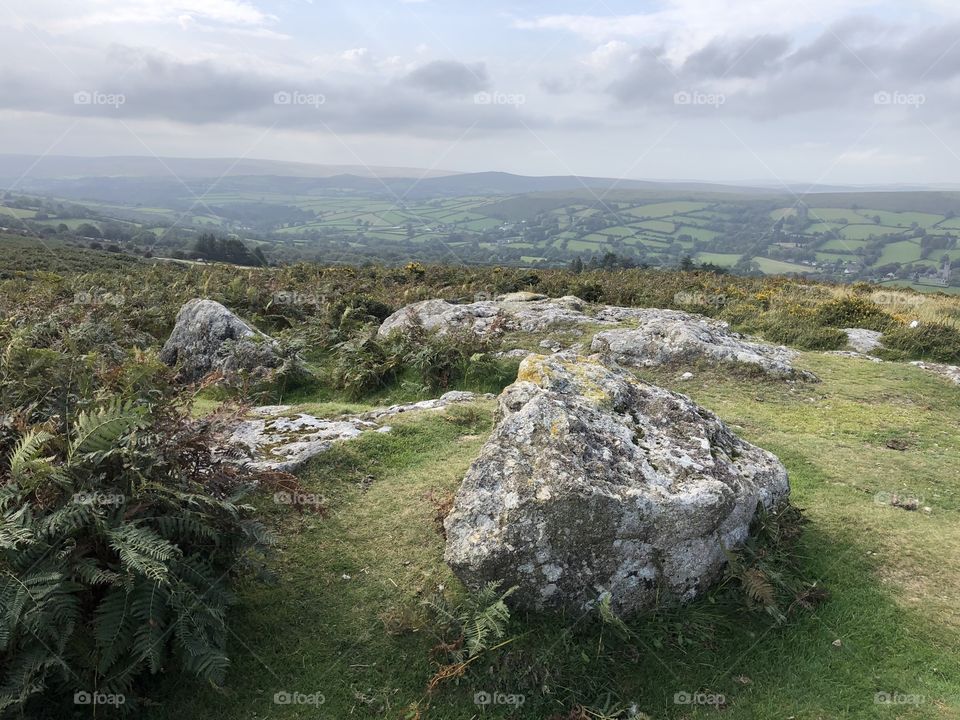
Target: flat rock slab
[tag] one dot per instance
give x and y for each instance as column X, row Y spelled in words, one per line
column 950, row 372
column 853, row 354
column 525, row 312
column 674, row 337
column 278, row 438
column 595, row 484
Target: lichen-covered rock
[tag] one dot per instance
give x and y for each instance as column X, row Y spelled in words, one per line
column 527, row 312
column 279, row 438
column 863, row 340
column 673, row 337
column 950, row 372
column 594, row 483
column 208, row 337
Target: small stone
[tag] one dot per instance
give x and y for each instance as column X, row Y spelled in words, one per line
column 687, row 376
column 837, row 643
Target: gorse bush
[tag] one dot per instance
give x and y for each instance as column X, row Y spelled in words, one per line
column 853, row 312
column 119, row 537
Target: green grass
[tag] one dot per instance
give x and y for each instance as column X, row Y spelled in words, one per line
column 721, row 259
column 893, row 576
column 902, row 252
column 865, row 231
column 777, row 267
column 666, row 209
column 18, row 213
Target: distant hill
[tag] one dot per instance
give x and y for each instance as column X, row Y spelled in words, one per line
column 65, row 166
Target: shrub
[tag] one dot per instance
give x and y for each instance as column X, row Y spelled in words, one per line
column 440, row 361
column 853, row 312
column 365, row 363
column 797, row 327
column 928, row 341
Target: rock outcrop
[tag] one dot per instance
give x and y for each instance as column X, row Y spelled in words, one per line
column 527, row 312
column 208, row 337
column 595, row 483
column 950, row 372
column 280, row 438
column 863, row 340
column 640, row 337
column 673, row 337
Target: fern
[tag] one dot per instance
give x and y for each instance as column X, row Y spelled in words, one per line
column 25, row 459
column 476, row 624
column 485, row 618
column 98, row 432
column 116, row 551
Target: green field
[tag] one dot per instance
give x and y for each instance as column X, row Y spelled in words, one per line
column 644, row 227
column 720, row 259
column 778, row 267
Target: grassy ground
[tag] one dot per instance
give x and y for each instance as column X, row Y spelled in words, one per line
column 344, row 619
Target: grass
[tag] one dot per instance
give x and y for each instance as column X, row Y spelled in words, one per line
column 778, row 267
column 720, row 259
column 902, row 251
column 344, row 619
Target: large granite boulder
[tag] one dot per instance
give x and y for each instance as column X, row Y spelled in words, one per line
column 208, row 337
column 527, row 312
column 673, row 337
column 594, row 483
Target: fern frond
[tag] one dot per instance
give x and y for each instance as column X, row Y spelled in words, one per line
column 25, row 459
column 98, row 431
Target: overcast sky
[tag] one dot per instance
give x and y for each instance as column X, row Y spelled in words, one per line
column 828, row 91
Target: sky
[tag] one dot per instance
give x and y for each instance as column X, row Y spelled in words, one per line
column 765, row 91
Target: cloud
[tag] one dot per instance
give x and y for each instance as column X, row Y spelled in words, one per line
column 448, row 77
column 770, row 76
column 156, row 86
column 58, row 17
